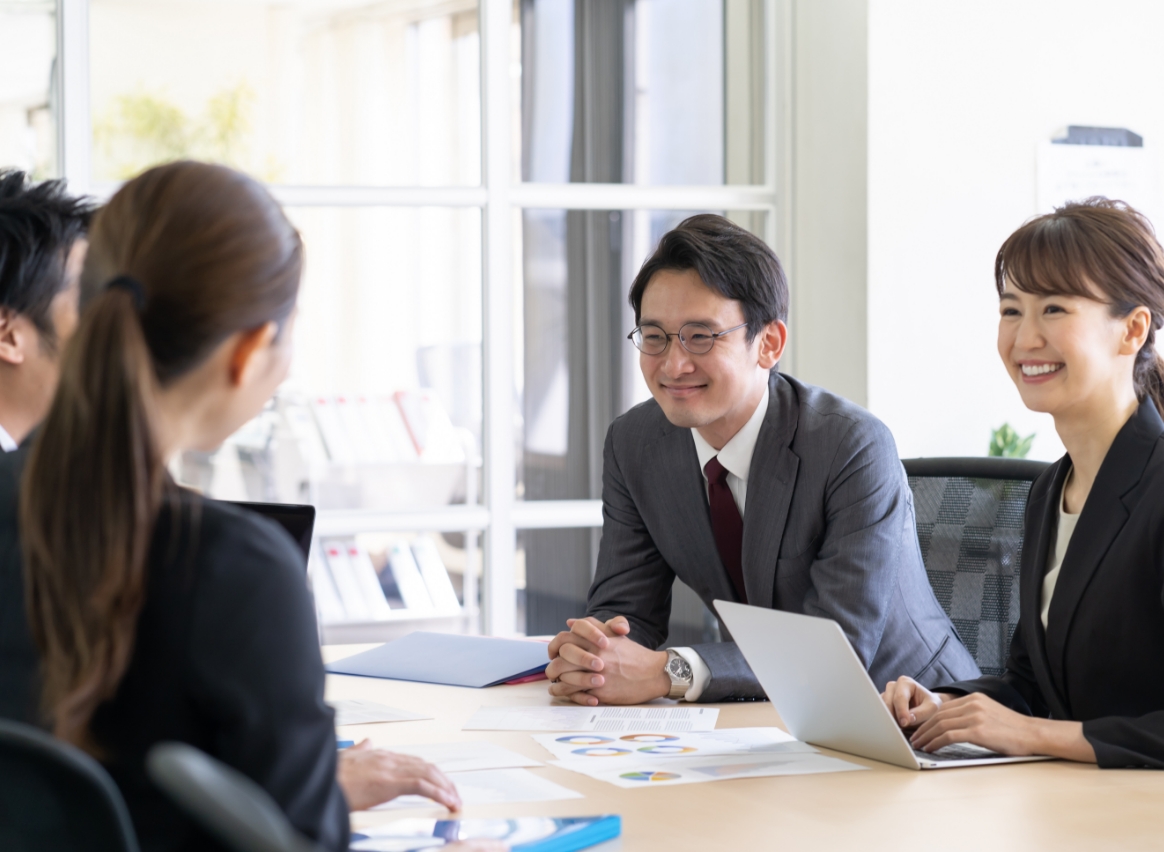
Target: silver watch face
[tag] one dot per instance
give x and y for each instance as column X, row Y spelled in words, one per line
column 679, row 668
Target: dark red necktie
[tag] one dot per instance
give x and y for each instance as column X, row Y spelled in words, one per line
column 726, row 524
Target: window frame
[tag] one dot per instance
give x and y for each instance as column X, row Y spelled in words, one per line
column 501, row 192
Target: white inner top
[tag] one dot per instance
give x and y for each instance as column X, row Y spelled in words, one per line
column 6, row 442
column 1055, row 557
column 736, row 455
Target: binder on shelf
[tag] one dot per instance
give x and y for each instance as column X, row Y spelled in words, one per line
column 436, row 576
column 361, row 565
column 406, row 573
column 335, row 438
column 327, row 599
column 386, row 415
column 380, row 443
column 356, row 605
column 351, row 415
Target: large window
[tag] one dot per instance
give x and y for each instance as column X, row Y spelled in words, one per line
column 476, row 185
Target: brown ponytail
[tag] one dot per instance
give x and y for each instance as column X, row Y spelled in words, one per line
column 209, row 253
column 1089, row 246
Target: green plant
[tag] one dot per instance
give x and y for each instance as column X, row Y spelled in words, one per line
column 1006, row 443
column 144, row 129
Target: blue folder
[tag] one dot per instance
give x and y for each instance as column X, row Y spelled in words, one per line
column 448, row 658
column 524, row 834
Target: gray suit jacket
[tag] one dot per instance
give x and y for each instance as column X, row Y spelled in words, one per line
column 828, row 531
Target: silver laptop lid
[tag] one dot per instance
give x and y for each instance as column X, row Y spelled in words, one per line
column 816, row 682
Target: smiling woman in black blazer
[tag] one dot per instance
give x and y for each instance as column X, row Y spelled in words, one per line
column 1081, row 297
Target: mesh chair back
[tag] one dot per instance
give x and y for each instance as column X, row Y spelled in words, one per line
column 223, row 801
column 970, row 527
column 55, row 797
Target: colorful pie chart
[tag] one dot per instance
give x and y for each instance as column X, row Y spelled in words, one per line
column 648, row 738
column 650, row 776
column 664, row 749
column 584, row 740
column 601, row 751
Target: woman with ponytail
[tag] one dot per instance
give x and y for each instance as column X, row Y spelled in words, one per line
column 159, row 615
column 1081, row 298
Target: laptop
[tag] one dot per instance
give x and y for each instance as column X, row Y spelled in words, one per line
column 823, row 694
column 299, row 521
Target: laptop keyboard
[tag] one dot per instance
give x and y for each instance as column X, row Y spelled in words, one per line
column 958, row 751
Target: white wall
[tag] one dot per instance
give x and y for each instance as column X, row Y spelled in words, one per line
column 959, row 96
column 827, row 198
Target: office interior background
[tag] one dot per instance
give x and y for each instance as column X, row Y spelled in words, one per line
column 477, row 183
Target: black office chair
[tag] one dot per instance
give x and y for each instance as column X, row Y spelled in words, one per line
column 55, row 798
column 970, row 527
column 223, row 801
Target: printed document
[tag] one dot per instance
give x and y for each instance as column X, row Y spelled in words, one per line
column 491, row 787
column 356, row 711
column 667, row 718
column 465, row 756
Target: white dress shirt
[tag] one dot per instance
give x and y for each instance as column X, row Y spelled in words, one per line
column 1055, row 558
column 6, row 442
column 736, row 457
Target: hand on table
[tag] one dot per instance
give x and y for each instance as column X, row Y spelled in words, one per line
column 371, row 776
column 595, row 661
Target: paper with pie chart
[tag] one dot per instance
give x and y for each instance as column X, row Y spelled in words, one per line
column 649, row 758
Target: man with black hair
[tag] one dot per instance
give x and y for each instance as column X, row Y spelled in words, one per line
column 749, row 486
column 42, row 248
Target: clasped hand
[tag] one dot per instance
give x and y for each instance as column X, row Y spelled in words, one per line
column 596, row 661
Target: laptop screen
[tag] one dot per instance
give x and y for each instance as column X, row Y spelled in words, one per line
column 298, row 520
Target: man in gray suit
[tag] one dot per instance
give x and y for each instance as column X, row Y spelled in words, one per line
column 749, row 486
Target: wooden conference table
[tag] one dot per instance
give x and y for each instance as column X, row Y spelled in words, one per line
column 1032, row 806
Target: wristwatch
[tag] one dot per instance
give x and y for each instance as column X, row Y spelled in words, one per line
column 679, row 670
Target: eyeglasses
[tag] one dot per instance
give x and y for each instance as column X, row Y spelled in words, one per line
column 695, row 337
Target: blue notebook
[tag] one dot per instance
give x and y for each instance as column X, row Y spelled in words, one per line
column 448, row 658
column 525, row 834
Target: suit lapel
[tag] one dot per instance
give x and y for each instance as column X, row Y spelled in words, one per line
column 675, row 475
column 1104, row 515
column 1043, row 510
column 771, row 479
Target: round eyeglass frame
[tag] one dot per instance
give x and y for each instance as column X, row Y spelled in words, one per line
column 684, row 335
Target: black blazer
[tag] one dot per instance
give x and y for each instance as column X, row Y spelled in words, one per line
column 226, row 659
column 1101, row 659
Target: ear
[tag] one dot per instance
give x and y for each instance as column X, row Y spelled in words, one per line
column 1136, row 327
column 248, row 349
column 772, row 339
column 13, row 336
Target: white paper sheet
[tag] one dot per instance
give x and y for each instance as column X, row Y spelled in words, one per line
column 659, row 745
column 633, row 772
column 493, row 786
column 465, row 756
column 667, row 719
column 356, row 711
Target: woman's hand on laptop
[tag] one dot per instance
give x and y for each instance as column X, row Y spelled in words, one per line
column 944, row 719
column 911, row 703
column 370, row 776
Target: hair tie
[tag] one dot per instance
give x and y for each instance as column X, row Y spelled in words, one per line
column 132, row 286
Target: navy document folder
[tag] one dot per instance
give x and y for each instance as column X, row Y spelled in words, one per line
column 448, row 658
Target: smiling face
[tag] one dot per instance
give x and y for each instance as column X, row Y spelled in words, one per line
column 715, row 392
column 1068, row 354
